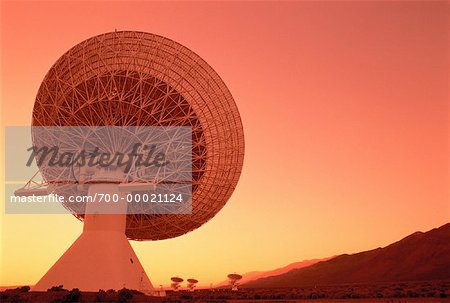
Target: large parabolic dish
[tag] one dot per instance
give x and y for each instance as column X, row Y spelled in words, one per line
column 129, row 78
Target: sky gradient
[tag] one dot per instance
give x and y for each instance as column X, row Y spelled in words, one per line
column 345, row 107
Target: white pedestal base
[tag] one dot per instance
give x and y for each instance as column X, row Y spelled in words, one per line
column 101, row 258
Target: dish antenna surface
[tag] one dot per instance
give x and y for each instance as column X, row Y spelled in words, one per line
column 134, row 79
column 233, row 279
column 191, row 284
column 176, row 283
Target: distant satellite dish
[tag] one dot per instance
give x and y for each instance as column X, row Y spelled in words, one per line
column 233, row 278
column 176, row 279
column 176, row 283
column 191, row 284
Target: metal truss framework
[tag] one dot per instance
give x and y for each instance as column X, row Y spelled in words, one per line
column 130, row 78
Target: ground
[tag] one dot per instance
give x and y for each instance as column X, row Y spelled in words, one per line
column 412, row 292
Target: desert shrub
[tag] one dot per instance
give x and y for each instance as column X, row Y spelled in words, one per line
column 73, row 296
column 23, row 289
column 186, row 297
column 100, row 296
column 135, row 292
column 57, row 288
column 412, row 294
column 124, row 295
column 14, row 299
column 430, row 294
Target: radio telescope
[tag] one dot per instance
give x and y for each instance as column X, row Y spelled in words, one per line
column 176, row 283
column 233, row 279
column 191, row 284
column 128, row 78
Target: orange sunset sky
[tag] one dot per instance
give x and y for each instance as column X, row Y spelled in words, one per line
column 345, row 107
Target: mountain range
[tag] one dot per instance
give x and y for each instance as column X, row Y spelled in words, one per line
column 421, row 256
column 254, row 275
